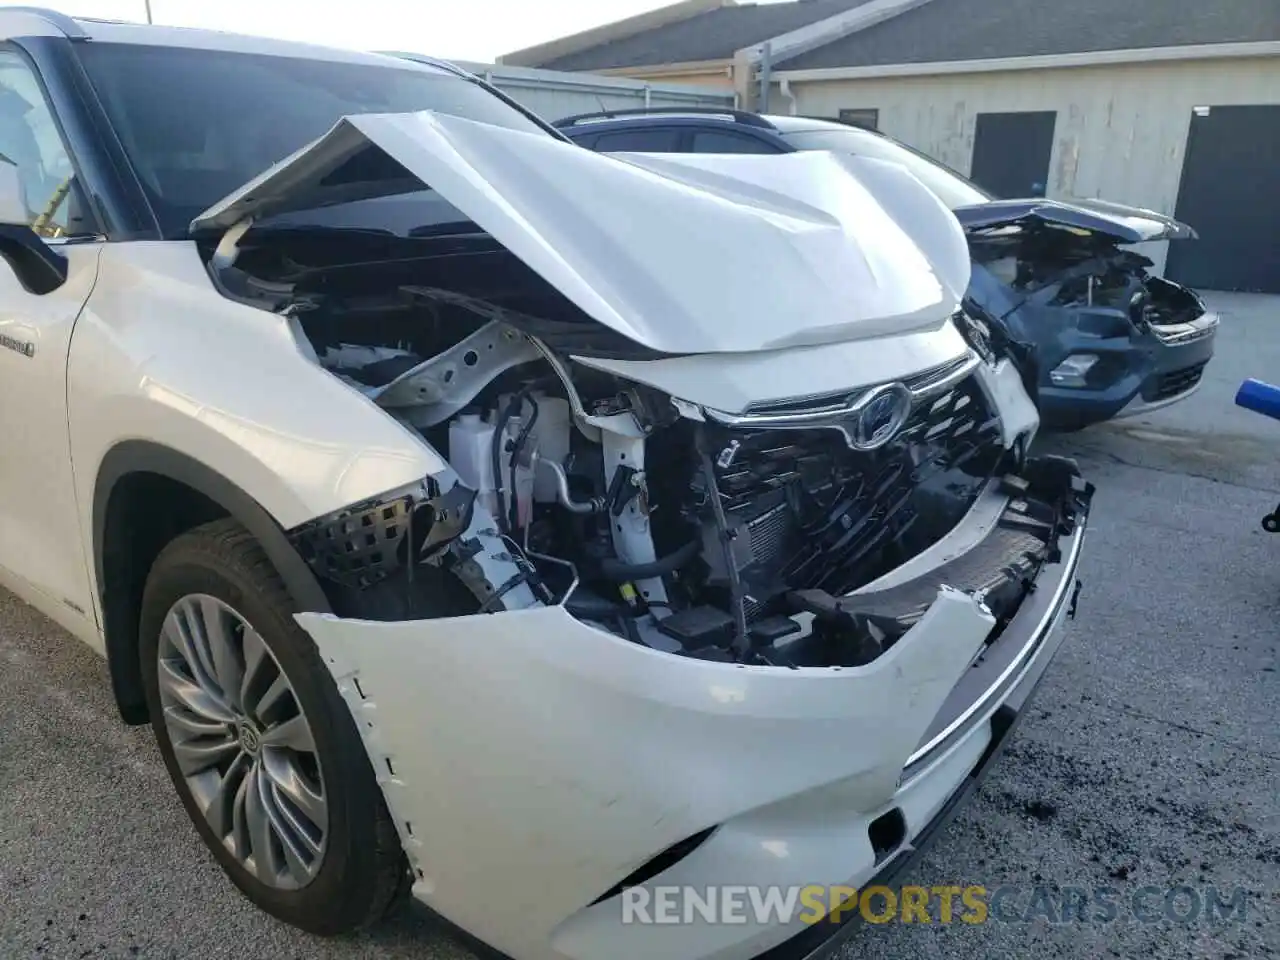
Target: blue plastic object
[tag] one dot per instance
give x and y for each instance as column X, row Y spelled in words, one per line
column 1259, row 397
column 1262, row 398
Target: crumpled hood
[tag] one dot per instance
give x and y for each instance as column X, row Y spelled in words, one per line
column 1121, row 222
column 682, row 254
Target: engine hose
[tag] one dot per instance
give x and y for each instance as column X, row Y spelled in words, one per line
column 514, row 406
column 499, row 434
column 516, row 450
column 622, row 572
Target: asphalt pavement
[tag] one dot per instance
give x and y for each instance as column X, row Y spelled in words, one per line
column 1150, row 759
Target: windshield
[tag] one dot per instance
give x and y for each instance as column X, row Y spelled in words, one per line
column 197, row 124
column 951, row 188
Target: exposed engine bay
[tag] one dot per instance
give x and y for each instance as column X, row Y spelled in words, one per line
column 737, row 538
column 1068, row 266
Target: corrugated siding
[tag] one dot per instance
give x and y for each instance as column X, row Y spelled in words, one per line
column 1121, row 131
column 555, row 94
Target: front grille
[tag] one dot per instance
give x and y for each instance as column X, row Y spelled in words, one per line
column 1181, row 332
column 1179, row 381
column 819, row 515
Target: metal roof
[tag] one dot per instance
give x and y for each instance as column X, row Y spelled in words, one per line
column 950, row 30
column 713, row 35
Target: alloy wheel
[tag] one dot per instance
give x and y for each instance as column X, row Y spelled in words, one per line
column 242, row 742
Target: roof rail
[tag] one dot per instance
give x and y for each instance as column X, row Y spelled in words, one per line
column 68, row 25
column 424, row 59
column 725, row 113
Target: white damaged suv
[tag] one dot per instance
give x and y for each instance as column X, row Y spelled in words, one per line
column 473, row 514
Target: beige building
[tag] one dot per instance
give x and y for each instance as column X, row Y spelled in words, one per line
column 1168, row 104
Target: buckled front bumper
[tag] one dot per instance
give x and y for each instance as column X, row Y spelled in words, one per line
column 1150, row 371
column 532, row 761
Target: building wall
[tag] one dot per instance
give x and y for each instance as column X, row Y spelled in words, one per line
column 1121, row 131
column 554, row 94
column 718, row 76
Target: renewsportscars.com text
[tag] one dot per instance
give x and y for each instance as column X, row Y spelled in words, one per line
column 973, row 904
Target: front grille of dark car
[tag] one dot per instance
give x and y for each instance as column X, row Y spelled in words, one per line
column 822, row 516
column 1179, row 381
column 1181, row 333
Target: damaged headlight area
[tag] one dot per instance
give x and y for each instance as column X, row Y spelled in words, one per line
column 775, row 535
column 1074, row 371
column 367, row 554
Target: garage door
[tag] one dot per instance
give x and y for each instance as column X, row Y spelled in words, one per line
column 1230, row 194
column 1011, row 153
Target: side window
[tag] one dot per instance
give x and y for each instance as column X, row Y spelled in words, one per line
column 29, row 140
column 648, row 140
column 725, row 141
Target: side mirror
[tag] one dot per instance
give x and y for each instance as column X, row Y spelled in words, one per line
column 39, row 268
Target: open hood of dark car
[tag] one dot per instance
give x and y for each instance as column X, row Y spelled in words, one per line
column 1123, row 223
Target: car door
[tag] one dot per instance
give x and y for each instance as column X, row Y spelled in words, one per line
column 40, row 544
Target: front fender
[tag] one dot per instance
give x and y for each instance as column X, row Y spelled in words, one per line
column 161, row 359
column 143, row 456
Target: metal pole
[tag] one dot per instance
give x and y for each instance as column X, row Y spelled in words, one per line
column 148, row 6
column 766, row 66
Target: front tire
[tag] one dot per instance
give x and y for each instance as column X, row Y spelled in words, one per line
column 260, row 746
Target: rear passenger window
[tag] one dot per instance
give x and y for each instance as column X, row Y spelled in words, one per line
column 659, row 140
column 722, row 141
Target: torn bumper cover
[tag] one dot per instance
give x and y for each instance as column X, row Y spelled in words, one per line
column 536, row 766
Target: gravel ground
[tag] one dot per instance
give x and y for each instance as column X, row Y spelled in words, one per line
column 1151, row 756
